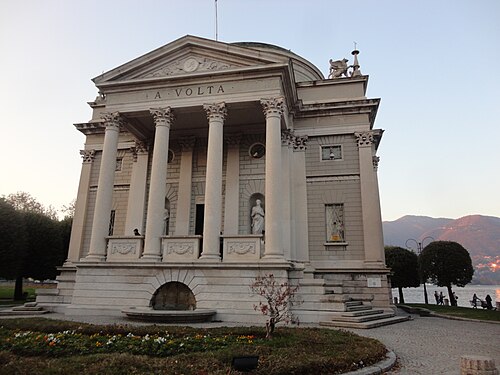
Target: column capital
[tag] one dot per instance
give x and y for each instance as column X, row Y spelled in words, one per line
column 365, row 138
column 273, row 106
column 139, row 148
column 216, row 111
column 300, row 143
column 187, row 143
column 112, row 120
column 375, row 160
column 87, row 155
column 162, row 116
column 287, row 138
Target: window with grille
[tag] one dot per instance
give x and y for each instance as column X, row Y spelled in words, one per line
column 335, row 222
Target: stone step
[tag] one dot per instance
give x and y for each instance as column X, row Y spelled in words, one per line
column 47, row 292
column 335, row 298
column 361, row 319
column 312, row 282
column 363, row 312
column 358, row 308
column 353, row 303
column 366, row 325
column 12, row 312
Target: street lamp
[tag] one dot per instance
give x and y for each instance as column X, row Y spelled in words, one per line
column 420, row 246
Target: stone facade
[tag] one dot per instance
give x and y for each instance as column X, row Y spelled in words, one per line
column 183, row 142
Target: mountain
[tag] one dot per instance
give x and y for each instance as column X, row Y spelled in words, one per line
column 480, row 235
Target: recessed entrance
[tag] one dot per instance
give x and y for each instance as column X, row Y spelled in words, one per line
column 173, row 296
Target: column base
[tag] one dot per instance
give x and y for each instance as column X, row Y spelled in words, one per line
column 150, row 258
column 94, row 258
column 273, row 258
column 210, row 258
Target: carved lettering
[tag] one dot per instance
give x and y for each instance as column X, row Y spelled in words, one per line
column 220, row 89
column 210, row 89
column 178, row 92
column 157, row 96
column 199, row 91
column 189, row 92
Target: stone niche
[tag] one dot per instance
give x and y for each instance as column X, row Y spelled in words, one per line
column 173, row 296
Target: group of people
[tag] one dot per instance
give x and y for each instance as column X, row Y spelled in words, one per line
column 484, row 304
column 440, row 297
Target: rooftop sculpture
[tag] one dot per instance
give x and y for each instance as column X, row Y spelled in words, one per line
column 339, row 68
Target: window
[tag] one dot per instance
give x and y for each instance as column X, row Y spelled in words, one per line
column 257, row 150
column 335, row 222
column 111, row 223
column 119, row 163
column 331, row 152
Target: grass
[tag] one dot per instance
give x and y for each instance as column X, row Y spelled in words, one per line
column 210, row 351
column 462, row 312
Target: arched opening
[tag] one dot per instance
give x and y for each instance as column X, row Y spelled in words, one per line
column 173, row 296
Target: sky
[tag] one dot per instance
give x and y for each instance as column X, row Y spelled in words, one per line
column 434, row 64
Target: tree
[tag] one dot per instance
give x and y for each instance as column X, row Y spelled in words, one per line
column 33, row 241
column 12, row 243
column 446, row 263
column 280, row 297
column 404, row 268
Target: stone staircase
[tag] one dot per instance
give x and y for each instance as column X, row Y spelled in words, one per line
column 358, row 314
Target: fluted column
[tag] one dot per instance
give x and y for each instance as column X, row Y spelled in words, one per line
column 216, row 114
column 104, row 197
column 370, row 201
column 137, row 192
column 286, row 194
column 273, row 110
column 75, row 241
column 163, row 119
column 184, row 191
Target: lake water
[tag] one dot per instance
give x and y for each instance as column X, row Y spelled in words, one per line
column 416, row 295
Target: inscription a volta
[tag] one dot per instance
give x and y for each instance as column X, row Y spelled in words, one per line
column 188, row 91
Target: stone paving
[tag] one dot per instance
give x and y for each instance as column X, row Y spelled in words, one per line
column 431, row 345
column 424, row 345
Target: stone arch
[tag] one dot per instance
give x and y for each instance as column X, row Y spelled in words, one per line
column 173, row 295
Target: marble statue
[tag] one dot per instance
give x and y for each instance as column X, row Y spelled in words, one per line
column 166, row 220
column 257, row 217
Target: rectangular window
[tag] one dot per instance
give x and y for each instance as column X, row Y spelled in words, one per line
column 111, row 223
column 335, row 222
column 119, row 163
column 331, row 152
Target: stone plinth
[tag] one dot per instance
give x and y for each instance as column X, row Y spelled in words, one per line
column 181, row 248
column 242, row 248
column 477, row 365
column 124, row 249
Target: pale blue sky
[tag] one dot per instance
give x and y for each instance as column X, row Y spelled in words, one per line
column 433, row 63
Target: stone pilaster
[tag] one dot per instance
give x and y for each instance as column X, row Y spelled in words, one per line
column 370, row 201
column 137, row 192
column 163, row 119
column 184, row 195
column 216, row 114
column 286, row 193
column 104, row 197
column 273, row 110
column 232, row 197
column 299, row 189
column 76, row 238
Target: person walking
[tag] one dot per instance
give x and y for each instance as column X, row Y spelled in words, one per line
column 436, row 296
column 441, row 298
column 474, row 301
column 489, row 305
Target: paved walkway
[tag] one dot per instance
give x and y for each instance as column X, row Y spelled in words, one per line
column 424, row 345
column 430, row 345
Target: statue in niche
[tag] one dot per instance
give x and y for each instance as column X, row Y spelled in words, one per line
column 166, row 221
column 338, row 68
column 257, row 217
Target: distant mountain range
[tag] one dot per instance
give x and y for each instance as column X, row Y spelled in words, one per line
column 480, row 235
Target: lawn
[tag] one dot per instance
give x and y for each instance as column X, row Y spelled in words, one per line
column 44, row 346
column 463, row 312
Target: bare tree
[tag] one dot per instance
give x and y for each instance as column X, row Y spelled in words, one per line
column 279, row 299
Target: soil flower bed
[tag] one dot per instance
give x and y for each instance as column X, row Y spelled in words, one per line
column 43, row 346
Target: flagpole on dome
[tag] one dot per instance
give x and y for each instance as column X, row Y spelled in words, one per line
column 216, row 26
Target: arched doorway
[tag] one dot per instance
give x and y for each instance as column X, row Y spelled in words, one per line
column 173, row 296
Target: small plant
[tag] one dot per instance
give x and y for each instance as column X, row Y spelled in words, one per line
column 280, row 297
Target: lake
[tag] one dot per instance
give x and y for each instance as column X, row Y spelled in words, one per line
column 416, row 295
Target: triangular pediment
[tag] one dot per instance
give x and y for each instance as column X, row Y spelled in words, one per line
column 190, row 56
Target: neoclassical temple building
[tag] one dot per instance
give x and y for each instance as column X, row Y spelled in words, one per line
column 207, row 164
